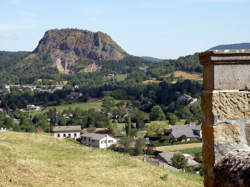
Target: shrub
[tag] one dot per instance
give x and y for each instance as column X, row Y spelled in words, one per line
column 179, row 161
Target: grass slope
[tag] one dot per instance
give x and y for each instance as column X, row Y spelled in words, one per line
column 85, row 106
column 41, row 160
column 186, row 75
column 179, row 147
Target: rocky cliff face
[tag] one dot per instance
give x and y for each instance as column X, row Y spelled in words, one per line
column 66, row 47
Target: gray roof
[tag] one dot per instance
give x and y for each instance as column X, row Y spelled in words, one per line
column 95, row 136
column 166, row 156
column 66, row 128
column 187, row 130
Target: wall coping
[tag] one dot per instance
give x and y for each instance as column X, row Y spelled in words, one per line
column 225, row 57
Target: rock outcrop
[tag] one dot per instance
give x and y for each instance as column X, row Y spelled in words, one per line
column 66, row 47
column 233, row 169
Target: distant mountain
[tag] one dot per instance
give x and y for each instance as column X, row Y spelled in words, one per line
column 74, row 50
column 232, row 46
column 152, row 59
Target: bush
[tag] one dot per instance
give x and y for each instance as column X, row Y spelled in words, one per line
column 139, row 146
column 179, row 161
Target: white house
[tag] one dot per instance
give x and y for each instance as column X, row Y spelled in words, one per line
column 66, row 131
column 3, row 129
column 32, row 108
column 97, row 140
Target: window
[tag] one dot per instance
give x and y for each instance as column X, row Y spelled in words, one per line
column 75, row 135
column 110, row 141
column 64, row 135
column 58, row 135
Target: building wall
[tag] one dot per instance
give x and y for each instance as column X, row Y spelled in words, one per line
column 102, row 143
column 106, row 142
column 226, row 116
column 74, row 135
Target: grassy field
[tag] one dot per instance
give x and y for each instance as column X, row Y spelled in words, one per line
column 179, row 147
column 41, row 160
column 180, row 122
column 85, row 106
column 121, row 77
column 191, row 151
column 186, row 75
column 151, row 82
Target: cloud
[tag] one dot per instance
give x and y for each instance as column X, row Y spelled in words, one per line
column 8, row 36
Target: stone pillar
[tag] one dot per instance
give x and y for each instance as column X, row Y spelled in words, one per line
column 226, row 116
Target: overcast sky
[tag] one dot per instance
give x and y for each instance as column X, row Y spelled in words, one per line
column 158, row 28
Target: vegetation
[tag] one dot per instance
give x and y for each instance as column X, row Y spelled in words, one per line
column 195, row 146
column 42, row 160
column 191, row 151
column 179, row 161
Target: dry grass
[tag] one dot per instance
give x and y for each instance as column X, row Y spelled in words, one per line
column 178, row 147
column 189, row 76
column 41, row 160
column 186, row 75
column 152, row 81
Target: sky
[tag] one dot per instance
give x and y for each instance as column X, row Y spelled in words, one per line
column 158, row 28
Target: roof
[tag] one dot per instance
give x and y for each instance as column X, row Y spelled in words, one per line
column 187, row 130
column 166, row 156
column 66, row 128
column 95, row 136
column 96, row 130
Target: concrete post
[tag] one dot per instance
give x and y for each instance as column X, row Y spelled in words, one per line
column 226, row 117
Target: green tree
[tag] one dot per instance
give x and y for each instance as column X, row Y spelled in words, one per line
column 126, row 143
column 26, row 124
column 140, row 146
column 157, row 114
column 156, row 128
column 179, row 161
column 172, row 118
column 108, row 104
column 41, row 122
column 128, row 126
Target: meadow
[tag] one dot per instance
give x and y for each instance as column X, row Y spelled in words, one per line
column 29, row 159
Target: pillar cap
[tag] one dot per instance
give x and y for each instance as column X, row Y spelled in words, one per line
column 241, row 56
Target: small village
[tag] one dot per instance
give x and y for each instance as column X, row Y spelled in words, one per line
column 100, row 138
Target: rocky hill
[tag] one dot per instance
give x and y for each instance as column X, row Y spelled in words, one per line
column 74, row 50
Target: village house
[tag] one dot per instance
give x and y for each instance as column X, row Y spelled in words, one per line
column 74, row 95
column 3, row 129
column 66, row 131
column 96, row 130
column 97, row 140
column 184, row 132
column 167, row 158
column 186, row 98
column 32, row 108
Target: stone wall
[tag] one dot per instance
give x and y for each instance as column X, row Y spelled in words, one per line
column 226, row 114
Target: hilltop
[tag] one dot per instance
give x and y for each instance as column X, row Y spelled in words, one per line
column 232, row 46
column 74, row 50
column 41, row 160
